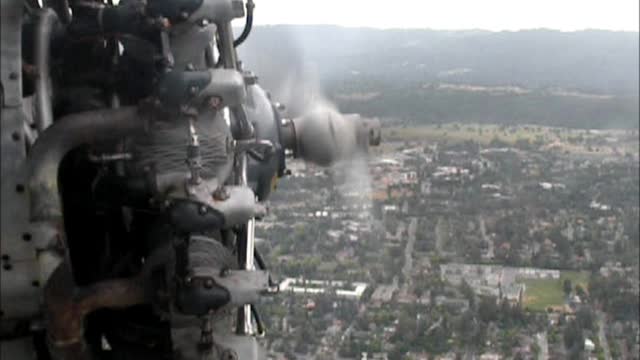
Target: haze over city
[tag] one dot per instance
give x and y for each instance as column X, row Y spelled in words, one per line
column 494, row 15
column 320, row 180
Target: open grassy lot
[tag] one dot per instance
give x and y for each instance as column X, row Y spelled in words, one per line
column 458, row 132
column 544, row 293
column 599, row 142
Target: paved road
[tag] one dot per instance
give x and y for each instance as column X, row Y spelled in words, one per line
column 399, row 230
column 438, row 233
column 434, row 326
column 543, row 344
column 602, row 337
column 483, row 233
column 407, row 268
column 408, row 250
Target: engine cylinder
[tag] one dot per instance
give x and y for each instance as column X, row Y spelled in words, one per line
column 164, row 147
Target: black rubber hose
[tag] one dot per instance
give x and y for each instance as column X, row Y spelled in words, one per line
column 258, row 319
column 262, row 265
column 247, row 26
column 259, row 260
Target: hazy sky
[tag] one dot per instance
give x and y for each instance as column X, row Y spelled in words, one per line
column 496, row 15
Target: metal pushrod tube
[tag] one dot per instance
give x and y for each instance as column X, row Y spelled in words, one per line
column 245, row 325
column 246, row 240
column 228, row 51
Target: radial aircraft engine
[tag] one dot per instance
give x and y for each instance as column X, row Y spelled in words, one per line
column 137, row 156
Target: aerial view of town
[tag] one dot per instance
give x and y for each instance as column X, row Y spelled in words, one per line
column 460, row 242
column 497, row 219
column 320, row 180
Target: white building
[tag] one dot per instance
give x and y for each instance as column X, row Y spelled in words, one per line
column 589, row 345
column 305, row 286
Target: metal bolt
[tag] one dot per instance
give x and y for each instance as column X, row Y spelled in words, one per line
column 193, row 90
column 229, row 144
column 190, row 67
column 215, row 102
column 229, row 354
column 184, row 15
column 204, row 22
column 166, row 63
column 202, row 210
column 220, row 194
column 165, row 23
column 208, row 284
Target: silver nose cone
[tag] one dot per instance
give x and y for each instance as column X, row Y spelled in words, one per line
column 324, row 136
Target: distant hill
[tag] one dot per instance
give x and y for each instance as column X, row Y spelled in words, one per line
column 577, row 79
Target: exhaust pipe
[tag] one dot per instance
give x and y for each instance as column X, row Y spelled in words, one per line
column 46, row 23
column 66, row 307
column 64, row 135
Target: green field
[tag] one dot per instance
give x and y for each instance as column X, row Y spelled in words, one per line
column 561, row 139
column 479, row 133
column 544, row 293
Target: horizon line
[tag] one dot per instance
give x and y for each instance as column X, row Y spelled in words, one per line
column 451, row 30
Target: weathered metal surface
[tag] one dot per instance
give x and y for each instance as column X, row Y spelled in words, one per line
column 238, row 207
column 19, row 266
column 19, row 270
column 19, row 285
column 189, row 42
column 67, row 133
column 11, row 54
column 244, row 286
column 66, row 307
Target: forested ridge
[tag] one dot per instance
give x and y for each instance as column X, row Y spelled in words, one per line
column 584, row 79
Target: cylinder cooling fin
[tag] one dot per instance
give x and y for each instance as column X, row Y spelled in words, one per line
column 163, row 147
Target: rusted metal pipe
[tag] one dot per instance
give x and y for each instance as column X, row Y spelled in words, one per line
column 66, row 307
column 64, row 135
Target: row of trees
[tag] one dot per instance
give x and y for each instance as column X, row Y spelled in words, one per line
column 430, row 106
column 617, row 295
